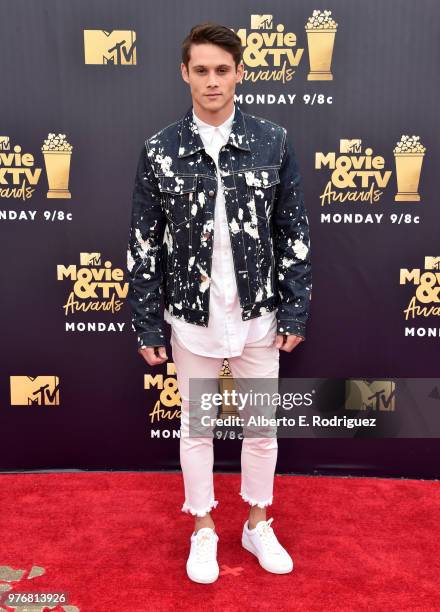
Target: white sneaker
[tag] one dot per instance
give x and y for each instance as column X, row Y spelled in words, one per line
column 263, row 543
column 202, row 563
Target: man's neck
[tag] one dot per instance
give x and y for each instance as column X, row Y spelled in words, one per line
column 213, row 117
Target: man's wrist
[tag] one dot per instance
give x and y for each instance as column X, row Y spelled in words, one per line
column 291, row 327
column 149, row 339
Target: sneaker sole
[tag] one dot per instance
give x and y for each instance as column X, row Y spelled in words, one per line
column 272, row 571
column 199, row 580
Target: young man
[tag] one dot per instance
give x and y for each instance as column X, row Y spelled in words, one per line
column 219, row 229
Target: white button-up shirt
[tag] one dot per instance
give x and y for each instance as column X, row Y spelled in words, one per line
column 226, row 333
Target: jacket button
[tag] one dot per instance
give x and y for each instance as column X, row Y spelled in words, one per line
column 211, row 193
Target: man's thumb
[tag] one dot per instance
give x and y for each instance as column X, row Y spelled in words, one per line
column 279, row 341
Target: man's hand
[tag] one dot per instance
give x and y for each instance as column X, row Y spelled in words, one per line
column 287, row 342
column 153, row 355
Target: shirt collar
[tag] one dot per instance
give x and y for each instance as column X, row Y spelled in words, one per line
column 208, row 130
column 190, row 141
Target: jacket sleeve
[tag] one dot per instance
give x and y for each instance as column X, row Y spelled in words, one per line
column 291, row 247
column 144, row 256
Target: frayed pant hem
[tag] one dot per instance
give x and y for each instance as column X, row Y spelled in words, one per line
column 252, row 502
column 187, row 508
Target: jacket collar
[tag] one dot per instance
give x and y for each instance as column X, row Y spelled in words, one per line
column 191, row 142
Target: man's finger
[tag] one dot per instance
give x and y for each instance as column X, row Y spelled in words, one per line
column 150, row 356
column 163, row 353
column 291, row 343
column 288, row 342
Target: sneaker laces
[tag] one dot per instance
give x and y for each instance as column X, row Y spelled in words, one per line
column 205, row 546
column 268, row 537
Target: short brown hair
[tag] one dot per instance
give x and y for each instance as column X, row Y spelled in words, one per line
column 215, row 33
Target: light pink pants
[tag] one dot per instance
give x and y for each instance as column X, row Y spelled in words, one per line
column 259, row 359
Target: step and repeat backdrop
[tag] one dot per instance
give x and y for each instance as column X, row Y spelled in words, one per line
column 355, row 84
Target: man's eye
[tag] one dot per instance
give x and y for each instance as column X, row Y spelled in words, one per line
column 200, row 70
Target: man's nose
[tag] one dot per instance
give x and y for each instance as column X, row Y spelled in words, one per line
column 212, row 82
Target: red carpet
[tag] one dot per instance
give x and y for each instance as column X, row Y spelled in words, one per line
column 117, row 541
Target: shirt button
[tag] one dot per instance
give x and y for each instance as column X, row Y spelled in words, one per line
column 211, row 193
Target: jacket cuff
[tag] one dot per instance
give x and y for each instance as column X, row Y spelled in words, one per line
column 291, row 327
column 153, row 338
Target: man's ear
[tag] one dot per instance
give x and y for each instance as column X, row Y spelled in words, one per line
column 240, row 71
column 184, row 72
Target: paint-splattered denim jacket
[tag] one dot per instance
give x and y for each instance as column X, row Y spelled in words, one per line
column 172, row 226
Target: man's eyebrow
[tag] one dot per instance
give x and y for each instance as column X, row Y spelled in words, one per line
column 219, row 66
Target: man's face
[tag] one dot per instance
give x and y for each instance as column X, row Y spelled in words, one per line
column 211, row 76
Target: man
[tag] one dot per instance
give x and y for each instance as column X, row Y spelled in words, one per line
column 220, row 231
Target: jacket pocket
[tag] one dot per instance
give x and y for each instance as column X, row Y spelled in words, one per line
column 261, row 185
column 178, row 195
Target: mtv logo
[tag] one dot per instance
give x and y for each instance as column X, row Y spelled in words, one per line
column 432, row 263
column 5, row 145
column 116, row 48
column 261, row 22
column 90, row 259
column 352, row 145
column 35, row 390
column 376, row 395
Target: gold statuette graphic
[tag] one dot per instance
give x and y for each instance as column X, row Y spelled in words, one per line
column 321, row 31
column 408, row 154
column 226, row 383
column 115, row 48
column 375, row 395
column 57, row 153
column 35, row 390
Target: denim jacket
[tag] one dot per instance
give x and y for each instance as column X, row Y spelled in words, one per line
column 172, row 226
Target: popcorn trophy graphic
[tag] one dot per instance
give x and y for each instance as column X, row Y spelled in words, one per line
column 321, row 30
column 408, row 154
column 57, row 153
